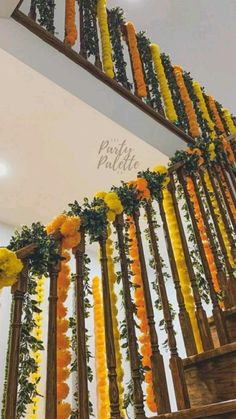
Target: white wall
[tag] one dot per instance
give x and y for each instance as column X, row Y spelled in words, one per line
column 7, row 7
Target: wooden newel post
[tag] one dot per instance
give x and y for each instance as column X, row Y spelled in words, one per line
column 158, row 370
column 83, row 398
column 51, row 383
column 109, row 336
column 184, row 319
column 18, row 290
column 135, row 362
column 217, row 312
column 176, row 365
column 203, row 325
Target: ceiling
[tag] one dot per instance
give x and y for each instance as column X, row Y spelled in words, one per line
column 50, row 141
column 199, row 35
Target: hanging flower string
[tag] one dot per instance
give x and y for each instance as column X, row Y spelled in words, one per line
column 105, row 38
column 69, row 228
column 115, row 207
column 181, row 263
column 203, row 233
column 165, row 91
column 227, row 193
column 71, row 30
column 229, row 151
column 219, row 217
column 10, row 267
column 192, row 118
column 136, row 60
column 103, row 403
column 144, row 338
column 38, row 334
column 215, row 114
column 229, row 121
column 202, row 105
column 115, row 323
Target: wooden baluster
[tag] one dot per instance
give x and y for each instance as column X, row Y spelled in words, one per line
column 228, row 287
column 18, row 290
column 184, row 319
column 109, row 336
column 98, row 62
column 125, row 36
column 32, row 12
column 51, row 4
column 158, row 370
column 221, row 276
column 82, row 371
column 200, row 313
column 176, row 365
column 217, row 313
column 224, row 217
column 51, row 383
column 81, row 23
column 223, row 193
column 134, row 357
column 232, row 175
column 226, row 177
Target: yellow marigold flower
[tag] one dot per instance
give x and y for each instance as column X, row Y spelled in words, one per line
column 162, row 170
column 113, row 202
column 56, row 223
column 70, row 226
column 101, row 195
column 10, row 267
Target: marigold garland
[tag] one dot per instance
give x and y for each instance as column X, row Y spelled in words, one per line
column 203, row 233
column 227, row 193
column 215, row 114
column 192, row 118
column 113, row 203
column 136, row 60
column 105, row 38
column 229, row 151
column 142, row 187
column 229, row 121
column 202, row 104
column 219, row 218
column 38, row 334
column 181, row 264
column 68, row 227
column 10, row 267
column 71, row 30
column 165, row 91
column 115, row 323
column 103, row 401
column 144, row 339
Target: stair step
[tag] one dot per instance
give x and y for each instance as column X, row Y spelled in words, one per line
column 211, row 375
column 223, row 410
column 230, row 319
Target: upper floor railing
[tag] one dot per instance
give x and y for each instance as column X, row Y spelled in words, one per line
column 103, row 341
column 129, row 60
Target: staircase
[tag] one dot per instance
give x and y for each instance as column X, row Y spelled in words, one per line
column 204, row 381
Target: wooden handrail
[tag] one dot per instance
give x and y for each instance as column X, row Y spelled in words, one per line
column 96, row 72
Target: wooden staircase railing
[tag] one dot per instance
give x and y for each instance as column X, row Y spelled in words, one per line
column 88, row 52
column 210, row 353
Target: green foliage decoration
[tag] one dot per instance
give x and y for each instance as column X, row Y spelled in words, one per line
column 115, row 21
column 176, row 97
column 154, row 97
